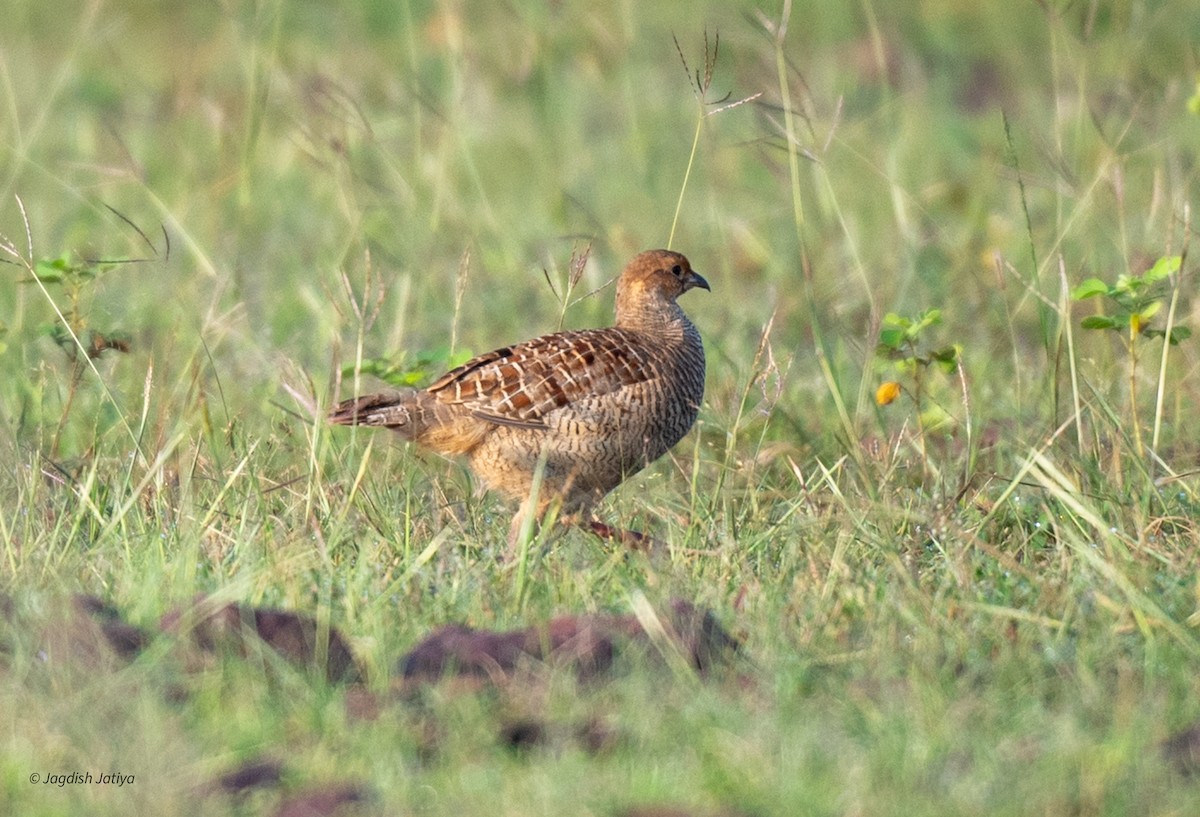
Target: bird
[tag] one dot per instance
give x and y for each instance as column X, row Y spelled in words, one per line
column 585, row 408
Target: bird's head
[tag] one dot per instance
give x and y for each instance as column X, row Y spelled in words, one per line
column 651, row 282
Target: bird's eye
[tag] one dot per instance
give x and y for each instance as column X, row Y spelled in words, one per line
column 677, row 270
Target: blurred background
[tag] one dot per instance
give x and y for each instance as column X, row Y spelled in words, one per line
column 445, row 158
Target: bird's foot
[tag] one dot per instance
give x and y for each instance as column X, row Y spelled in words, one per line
column 632, row 539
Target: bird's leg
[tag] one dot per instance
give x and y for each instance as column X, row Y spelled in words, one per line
column 632, row 539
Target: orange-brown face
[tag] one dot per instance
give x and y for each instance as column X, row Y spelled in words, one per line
column 663, row 272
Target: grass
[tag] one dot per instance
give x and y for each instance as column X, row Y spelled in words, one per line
column 998, row 617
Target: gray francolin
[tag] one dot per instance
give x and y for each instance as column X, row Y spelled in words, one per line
column 598, row 404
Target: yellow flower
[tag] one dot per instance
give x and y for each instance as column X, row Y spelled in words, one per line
column 887, row 392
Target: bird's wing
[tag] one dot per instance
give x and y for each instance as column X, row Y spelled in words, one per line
column 519, row 385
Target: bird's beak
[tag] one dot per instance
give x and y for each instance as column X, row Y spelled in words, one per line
column 695, row 279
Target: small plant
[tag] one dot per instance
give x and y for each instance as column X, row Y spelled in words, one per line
column 73, row 331
column 406, row 371
column 73, row 335
column 576, row 267
column 1133, row 301
column 900, row 343
column 701, row 81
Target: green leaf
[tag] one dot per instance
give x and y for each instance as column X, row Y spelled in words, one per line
column 930, row 318
column 892, row 319
column 949, row 353
column 1126, row 284
column 1162, row 268
column 891, row 339
column 1099, row 322
column 1149, row 311
column 947, row 358
column 1089, row 288
column 1177, row 334
column 61, row 337
column 459, row 358
column 51, row 271
column 413, row 377
column 936, row 418
column 55, row 270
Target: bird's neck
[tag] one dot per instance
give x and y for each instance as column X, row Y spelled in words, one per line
column 661, row 318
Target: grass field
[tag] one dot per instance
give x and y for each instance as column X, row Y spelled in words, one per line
column 981, row 598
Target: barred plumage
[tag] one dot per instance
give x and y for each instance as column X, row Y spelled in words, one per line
column 598, row 404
